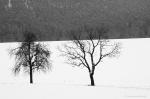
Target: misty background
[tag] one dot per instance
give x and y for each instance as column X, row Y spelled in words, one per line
column 50, row 18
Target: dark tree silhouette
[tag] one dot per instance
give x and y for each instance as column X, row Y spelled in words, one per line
column 89, row 53
column 31, row 56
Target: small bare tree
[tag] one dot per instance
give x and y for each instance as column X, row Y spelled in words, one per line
column 89, row 53
column 31, row 56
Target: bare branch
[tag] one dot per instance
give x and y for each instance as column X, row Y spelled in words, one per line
column 89, row 53
column 30, row 54
column 113, row 52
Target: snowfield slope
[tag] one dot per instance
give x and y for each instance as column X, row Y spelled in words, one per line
column 46, row 91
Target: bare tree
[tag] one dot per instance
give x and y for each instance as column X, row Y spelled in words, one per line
column 89, row 53
column 31, row 56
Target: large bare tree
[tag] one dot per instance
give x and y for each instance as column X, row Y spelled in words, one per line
column 89, row 53
column 31, row 56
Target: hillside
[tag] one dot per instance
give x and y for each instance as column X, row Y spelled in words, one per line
column 51, row 18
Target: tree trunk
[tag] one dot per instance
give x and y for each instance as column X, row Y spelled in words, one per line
column 92, row 80
column 31, row 75
column 31, row 71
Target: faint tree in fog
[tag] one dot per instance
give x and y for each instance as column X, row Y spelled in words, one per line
column 31, row 56
column 145, row 28
column 89, row 53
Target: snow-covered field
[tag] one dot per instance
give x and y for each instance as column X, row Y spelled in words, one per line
column 126, row 77
column 54, row 91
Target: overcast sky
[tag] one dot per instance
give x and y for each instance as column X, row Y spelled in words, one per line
column 131, row 68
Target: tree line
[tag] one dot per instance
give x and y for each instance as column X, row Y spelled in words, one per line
column 32, row 56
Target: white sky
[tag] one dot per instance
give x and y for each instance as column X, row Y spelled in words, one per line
column 131, row 68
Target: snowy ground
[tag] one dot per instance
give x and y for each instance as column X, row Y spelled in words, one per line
column 54, row 91
column 127, row 78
